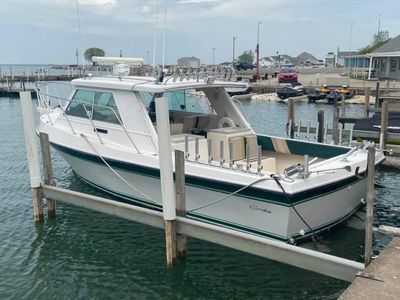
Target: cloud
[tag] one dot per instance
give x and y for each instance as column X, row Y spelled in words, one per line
column 101, row 5
column 196, row 1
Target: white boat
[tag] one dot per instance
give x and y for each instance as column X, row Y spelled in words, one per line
column 270, row 186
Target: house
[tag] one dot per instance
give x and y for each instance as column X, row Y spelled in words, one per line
column 267, row 62
column 189, row 62
column 282, row 59
column 385, row 60
column 340, row 58
column 382, row 63
column 330, row 59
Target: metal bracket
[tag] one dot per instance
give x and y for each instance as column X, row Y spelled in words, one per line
column 368, row 276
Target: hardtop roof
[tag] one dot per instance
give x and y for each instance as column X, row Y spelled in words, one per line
column 149, row 84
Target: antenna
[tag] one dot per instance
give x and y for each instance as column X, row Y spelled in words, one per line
column 379, row 24
column 155, row 37
column 80, row 33
column 163, row 45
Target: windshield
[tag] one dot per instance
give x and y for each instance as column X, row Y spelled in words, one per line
column 287, row 70
column 183, row 101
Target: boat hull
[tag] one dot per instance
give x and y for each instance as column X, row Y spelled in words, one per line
column 262, row 216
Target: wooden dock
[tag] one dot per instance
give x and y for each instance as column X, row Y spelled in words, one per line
column 381, row 279
column 14, row 92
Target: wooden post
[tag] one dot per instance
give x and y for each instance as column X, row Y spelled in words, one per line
column 384, row 124
column 335, row 125
column 367, row 96
column 48, row 170
column 370, row 204
column 291, row 117
column 181, row 240
column 320, row 118
column 32, row 153
column 166, row 178
column 377, row 94
column 343, row 112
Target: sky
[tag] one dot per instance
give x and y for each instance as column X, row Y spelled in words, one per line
column 47, row 31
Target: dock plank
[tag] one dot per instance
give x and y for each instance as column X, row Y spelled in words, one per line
column 385, row 283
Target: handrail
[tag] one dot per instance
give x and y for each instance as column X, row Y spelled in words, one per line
column 239, row 104
column 91, row 120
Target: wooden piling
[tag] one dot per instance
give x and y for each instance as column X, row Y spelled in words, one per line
column 169, row 226
column 320, row 118
column 370, row 204
column 335, row 125
column 32, row 153
column 377, row 94
column 48, row 170
column 343, row 112
column 384, row 125
column 367, row 99
column 291, row 117
column 181, row 239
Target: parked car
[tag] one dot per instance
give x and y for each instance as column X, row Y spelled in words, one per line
column 244, row 66
column 287, row 75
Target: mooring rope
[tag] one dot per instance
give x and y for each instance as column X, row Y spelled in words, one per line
column 231, row 194
column 116, row 173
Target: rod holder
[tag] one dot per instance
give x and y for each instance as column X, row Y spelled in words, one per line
column 316, row 132
column 351, row 135
column 259, row 157
column 248, row 164
column 299, row 130
column 196, row 146
column 209, row 144
column 187, row 148
column 308, row 130
column 306, row 172
column 230, row 155
column 221, row 153
column 326, row 133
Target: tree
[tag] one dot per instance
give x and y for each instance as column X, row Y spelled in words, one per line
column 90, row 52
column 246, row 57
column 378, row 40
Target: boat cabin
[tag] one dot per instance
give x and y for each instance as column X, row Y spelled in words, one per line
column 201, row 114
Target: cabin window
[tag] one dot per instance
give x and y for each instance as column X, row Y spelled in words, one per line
column 99, row 105
column 105, row 109
column 180, row 101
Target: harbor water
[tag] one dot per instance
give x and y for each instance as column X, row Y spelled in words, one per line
column 82, row 254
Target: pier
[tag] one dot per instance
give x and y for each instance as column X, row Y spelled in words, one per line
column 381, row 279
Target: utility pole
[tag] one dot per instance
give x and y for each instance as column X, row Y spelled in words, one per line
column 77, row 57
column 258, row 51
column 213, row 50
column 379, row 24
column 120, row 53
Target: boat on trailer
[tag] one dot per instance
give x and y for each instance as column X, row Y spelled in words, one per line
column 269, row 186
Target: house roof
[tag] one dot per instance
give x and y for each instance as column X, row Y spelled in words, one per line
column 282, row 56
column 392, row 45
column 268, row 58
column 347, row 53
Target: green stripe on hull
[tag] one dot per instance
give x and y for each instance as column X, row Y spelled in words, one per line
column 217, row 186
